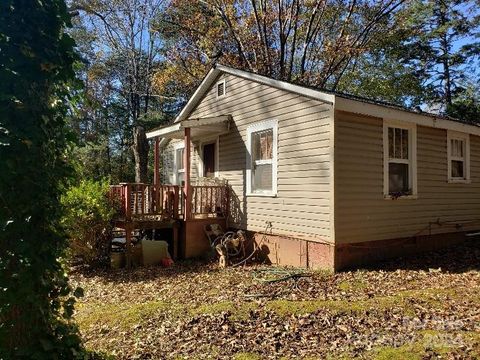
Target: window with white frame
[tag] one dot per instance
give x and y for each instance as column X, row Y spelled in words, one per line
column 221, row 89
column 399, row 159
column 458, row 149
column 179, row 165
column 262, row 158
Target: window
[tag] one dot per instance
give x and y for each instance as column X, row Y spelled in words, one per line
column 179, row 165
column 399, row 160
column 262, row 158
column 458, row 150
column 221, row 90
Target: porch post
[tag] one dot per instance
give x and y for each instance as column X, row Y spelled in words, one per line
column 156, row 160
column 156, row 205
column 186, row 161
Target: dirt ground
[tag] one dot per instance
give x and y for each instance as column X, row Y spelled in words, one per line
column 419, row 308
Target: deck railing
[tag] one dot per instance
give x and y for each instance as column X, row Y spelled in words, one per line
column 210, row 201
column 137, row 200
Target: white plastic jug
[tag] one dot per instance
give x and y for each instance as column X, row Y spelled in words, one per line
column 154, row 251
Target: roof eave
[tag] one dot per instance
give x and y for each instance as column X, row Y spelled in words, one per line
column 278, row 84
column 391, row 113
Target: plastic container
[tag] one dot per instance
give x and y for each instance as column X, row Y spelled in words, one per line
column 154, row 251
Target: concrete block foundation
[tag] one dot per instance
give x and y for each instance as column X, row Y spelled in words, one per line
column 289, row 251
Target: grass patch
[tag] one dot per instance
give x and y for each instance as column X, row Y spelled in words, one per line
column 247, row 356
column 121, row 316
column 124, row 316
column 352, row 285
column 287, row 307
column 410, row 352
column 440, row 342
column 433, row 297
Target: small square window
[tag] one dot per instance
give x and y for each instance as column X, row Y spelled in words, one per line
column 221, row 90
column 398, row 178
column 458, row 169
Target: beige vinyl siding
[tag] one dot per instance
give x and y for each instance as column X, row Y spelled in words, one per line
column 168, row 159
column 302, row 205
column 167, row 164
column 362, row 213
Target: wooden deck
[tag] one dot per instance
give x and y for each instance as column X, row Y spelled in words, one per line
column 143, row 206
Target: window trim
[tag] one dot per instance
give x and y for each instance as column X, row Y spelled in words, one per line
column 261, row 126
column 224, row 89
column 456, row 135
column 412, row 158
column 176, row 171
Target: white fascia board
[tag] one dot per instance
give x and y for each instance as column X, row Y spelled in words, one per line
column 198, row 94
column 205, row 121
column 163, row 131
column 192, row 102
column 282, row 85
column 385, row 112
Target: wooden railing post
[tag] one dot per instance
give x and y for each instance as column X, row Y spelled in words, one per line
column 156, row 163
column 156, row 206
column 176, row 198
column 227, row 210
column 188, row 190
column 128, row 200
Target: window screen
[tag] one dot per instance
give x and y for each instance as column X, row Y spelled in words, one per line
column 262, row 155
column 457, row 158
column 398, row 161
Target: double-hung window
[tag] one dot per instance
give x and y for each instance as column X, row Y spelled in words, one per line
column 399, row 142
column 262, row 158
column 458, row 150
column 179, row 165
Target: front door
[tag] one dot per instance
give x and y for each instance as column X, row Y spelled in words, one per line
column 209, row 160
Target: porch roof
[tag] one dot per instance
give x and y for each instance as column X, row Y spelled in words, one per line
column 199, row 127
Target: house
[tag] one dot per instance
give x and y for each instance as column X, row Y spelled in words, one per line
column 318, row 179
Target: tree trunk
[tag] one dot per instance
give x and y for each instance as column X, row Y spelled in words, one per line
column 140, row 153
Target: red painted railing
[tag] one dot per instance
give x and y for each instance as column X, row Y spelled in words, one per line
column 210, row 201
column 136, row 200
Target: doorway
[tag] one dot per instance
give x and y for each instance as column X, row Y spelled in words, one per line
column 209, row 160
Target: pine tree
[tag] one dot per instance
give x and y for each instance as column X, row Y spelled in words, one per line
column 446, row 46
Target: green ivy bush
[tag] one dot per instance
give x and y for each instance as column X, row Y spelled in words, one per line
column 37, row 78
column 88, row 214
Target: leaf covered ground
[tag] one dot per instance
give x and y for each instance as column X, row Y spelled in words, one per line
column 419, row 308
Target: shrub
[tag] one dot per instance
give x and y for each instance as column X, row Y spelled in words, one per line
column 37, row 77
column 87, row 220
